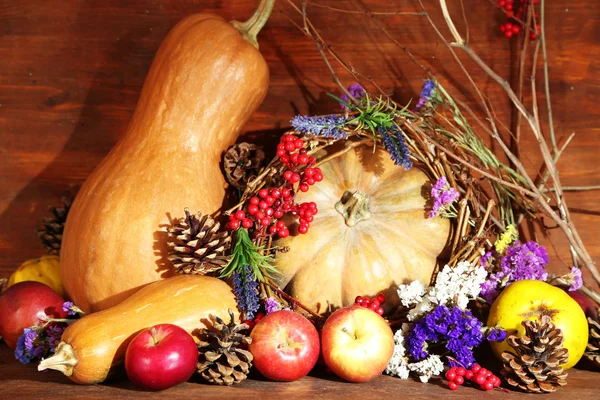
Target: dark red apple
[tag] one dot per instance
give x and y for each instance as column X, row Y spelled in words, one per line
column 285, row 346
column 587, row 305
column 24, row 304
column 160, row 357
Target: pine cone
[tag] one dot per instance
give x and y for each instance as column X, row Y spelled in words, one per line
column 593, row 346
column 197, row 245
column 51, row 233
column 242, row 161
column 539, row 353
column 223, row 358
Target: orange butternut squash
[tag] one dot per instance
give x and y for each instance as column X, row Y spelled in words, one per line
column 206, row 80
column 93, row 345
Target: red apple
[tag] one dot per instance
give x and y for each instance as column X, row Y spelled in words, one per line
column 24, row 304
column 587, row 305
column 285, row 346
column 160, row 357
column 356, row 344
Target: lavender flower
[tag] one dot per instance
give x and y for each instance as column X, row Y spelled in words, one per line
column 443, row 195
column 71, row 309
column 457, row 329
column 245, row 288
column 395, row 144
column 271, row 305
column 520, row 262
column 575, row 279
column 426, row 93
column 356, row 90
column 496, row 334
column 330, row 126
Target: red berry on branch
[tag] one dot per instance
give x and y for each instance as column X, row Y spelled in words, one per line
column 381, row 298
column 303, row 159
column 252, row 209
column 516, row 29
column 278, row 214
column 469, row 375
column 247, row 223
column 294, row 158
column 508, row 34
column 461, row 371
column 263, row 205
column 295, row 178
column 287, row 175
column 379, row 311
column 273, row 229
column 233, row 225
column 303, row 229
column 475, row 368
column 265, row 221
column 275, row 193
column 318, row 177
column 283, row 233
column 240, row 214
column 452, row 386
column 270, row 201
column 263, row 193
column 459, row 380
column 487, row 386
column 289, row 146
column 269, row 212
column 304, row 187
column 259, row 214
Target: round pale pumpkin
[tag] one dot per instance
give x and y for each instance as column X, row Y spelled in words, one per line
column 370, row 235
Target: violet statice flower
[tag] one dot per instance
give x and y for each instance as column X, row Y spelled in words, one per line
column 395, row 144
column 330, row 126
column 271, row 305
column 69, row 308
column 21, row 351
column 496, row 335
column 525, row 261
column 575, row 279
column 245, row 288
column 426, row 93
column 457, row 329
column 356, row 90
column 443, row 195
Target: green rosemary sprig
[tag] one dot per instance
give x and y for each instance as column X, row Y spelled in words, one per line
column 247, row 253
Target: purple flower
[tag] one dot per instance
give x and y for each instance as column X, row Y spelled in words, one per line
column 271, row 305
column 68, row 307
column 520, row 262
column 395, row 144
column 442, row 195
column 330, row 126
column 457, row 329
column 21, row 351
column 356, row 90
column 496, row 335
column 245, row 288
column 576, row 280
column 426, row 93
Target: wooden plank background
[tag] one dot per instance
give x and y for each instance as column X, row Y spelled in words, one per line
column 71, row 72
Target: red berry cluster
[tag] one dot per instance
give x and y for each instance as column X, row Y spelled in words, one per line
column 264, row 211
column 293, row 155
column 484, row 378
column 512, row 27
column 373, row 304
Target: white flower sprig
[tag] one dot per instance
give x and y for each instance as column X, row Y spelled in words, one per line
column 453, row 287
column 400, row 366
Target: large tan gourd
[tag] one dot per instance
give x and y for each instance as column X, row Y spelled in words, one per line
column 205, row 81
column 370, row 235
column 93, row 345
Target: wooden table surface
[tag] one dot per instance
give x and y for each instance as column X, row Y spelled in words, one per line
column 71, row 72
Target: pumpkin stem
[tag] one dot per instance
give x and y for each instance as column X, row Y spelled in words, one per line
column 249, row 29
column 354, row 207
column 63, row 360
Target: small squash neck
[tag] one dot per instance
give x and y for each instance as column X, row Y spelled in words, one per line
column 250, row 29
column 354, row 207
column 63, row 360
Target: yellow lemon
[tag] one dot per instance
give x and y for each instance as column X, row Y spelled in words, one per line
column 530, row 300
column 45, row 269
